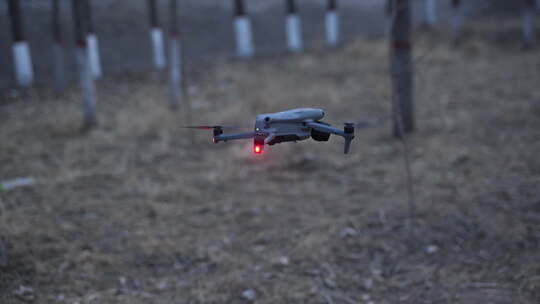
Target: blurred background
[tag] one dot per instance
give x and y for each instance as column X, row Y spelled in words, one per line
column 122, row 28
column 105, row 198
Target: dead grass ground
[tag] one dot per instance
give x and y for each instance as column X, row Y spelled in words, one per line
column 134, row 212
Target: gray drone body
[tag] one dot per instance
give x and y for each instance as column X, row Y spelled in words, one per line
column 293, row 125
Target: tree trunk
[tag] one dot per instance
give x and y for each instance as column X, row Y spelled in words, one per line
column 24, row 72
column 401, row 68
column 457, row 21
column 528, row 23
column 332, row 24
column 3, row 255
column 388, row 8
column 58, row 48
column 175, row 75
column 293, row 26
column 430, row 12
column 83, row 64
column 242, row 26
column 92, row 41
column 156, row 36
column 388, row 13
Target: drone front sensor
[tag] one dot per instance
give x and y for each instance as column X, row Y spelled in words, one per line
column 218, row 131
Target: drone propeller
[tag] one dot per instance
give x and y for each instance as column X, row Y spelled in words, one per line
column 362, row 124
column 204, row 127
column 365, row 123
column 217, row 130
column 201, row 127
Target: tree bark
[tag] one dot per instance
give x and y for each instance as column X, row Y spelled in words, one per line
column 24, row 72
column 430, row 12
column 528, row 23
column 156, row 36
column 83, row 64
column 457, row 21
column 388, row 8
column 175, row 75
column 3, row 255
column 16, row 20
column 153, row 13
column 293, row 27
column 239, row 8
column 58, row 47
column 401, row 68
column 292, row 8
column 242, row 28
column 332, row 23
column 92, row 40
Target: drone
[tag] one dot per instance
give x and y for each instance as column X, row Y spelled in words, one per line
column 288, row 126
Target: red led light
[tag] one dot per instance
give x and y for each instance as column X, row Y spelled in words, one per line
column 257, row 149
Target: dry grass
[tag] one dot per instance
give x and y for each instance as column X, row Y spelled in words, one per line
column 134, row 212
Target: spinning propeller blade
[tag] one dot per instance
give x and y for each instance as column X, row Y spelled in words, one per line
column 211, row 127
column 363, row 125
column 374, row 122
column 201, row 127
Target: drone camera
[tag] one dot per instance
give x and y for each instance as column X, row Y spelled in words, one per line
column 319, row 136
column 218, row 131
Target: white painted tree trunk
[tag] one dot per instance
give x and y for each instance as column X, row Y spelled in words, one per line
column 332, row 28
column 59, row 67
column 175, row 71
column 93, row 53
column 158, row 49
column 294, row 33
column 528, row 27
column 87, row 87
column 24, row 72
column 244, row 36
column 431, row 12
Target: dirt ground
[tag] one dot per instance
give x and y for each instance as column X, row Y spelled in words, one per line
column 137, row 212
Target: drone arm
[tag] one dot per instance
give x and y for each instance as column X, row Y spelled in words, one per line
column 348, row 136
column 269, row 138
column 222, row 137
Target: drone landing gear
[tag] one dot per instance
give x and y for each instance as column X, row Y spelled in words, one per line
column 349, row 136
